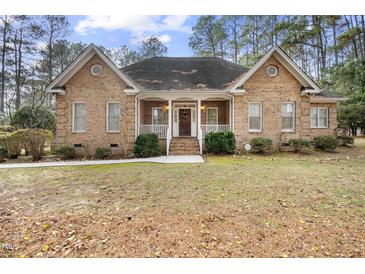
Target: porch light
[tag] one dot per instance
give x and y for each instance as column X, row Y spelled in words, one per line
column 202, row 107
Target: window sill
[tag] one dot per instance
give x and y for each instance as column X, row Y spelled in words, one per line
column 79, row 131
column 255, row 131
column 113, row 131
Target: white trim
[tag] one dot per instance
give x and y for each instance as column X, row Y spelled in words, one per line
column 261, row 116
column 152, row 115
column 80, row 61
column 277, row 52
column 73, row 117
column 192, row 105
column 107, row 116
column 274, row 67
column 206, row 115
column 310, row 118
column 96, row 66
column 294, row 110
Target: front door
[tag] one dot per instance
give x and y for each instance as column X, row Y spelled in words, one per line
column 185, row 122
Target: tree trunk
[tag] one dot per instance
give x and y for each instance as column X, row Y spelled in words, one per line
column 4, row 34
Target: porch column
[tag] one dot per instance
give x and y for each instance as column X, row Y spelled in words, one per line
column 230, row 115
column 170, row 115
column 199, row 114
column 138, row 116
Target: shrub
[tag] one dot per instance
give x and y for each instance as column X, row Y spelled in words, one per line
column 345, row 140
column 34, row 117
column 102, row 153
column 327, row 143
column 220, row 142
column 261, row 144
column 299, row 145
column 7, row 128
column 66, row 152
column 147, row 145
column 34, row 139
column 11, row 142
column 3, row 153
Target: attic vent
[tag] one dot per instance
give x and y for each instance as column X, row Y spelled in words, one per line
column 96, row 70
column 271, row 71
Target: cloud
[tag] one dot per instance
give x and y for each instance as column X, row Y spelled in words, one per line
column 140, row 27
column 165, row 38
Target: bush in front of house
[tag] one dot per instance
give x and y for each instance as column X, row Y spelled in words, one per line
column 345, row 140
column 34, row 117
column 222, row 142
column 3, row 154
column 326, row 143
column 102, row 153
column 66, row 152
column 11, row 143
column 147, row 145
column 34, row 140
column 299, row 145
column 261, row 144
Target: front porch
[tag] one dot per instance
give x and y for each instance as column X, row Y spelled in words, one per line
column 183, row 117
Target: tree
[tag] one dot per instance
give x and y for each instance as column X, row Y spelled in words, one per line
column 5, row 33
column 34, row 117
column 152, row 47
column 51, row 29
column 207, row 33
column 122, row 56
column 233, row 26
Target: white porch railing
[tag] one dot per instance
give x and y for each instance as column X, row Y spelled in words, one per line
column 159, row 130
column 214, row 128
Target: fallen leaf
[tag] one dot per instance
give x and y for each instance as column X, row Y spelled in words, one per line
column 45, row 248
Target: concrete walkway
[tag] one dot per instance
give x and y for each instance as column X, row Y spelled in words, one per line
column 179, row 159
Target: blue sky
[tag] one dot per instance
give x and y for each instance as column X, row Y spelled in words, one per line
column 113, row 31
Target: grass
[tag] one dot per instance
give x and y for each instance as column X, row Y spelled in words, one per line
column 258, row 206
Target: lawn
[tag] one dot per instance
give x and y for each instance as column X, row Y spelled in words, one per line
column 282, row 205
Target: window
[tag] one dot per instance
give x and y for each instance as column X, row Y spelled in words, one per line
column 319, row 117
column 288, row 117
column 79, row 117
column 255, row 117
column 212, row 116
column 113, row 117
column 157, row 116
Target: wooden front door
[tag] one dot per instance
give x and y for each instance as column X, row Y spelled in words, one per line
column 185, row 122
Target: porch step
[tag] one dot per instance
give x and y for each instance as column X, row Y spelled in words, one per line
column 184, row 146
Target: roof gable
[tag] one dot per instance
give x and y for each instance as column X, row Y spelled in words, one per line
column 285, row 60
column 79, row 62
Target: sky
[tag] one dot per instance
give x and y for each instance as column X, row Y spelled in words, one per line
column 113, row 31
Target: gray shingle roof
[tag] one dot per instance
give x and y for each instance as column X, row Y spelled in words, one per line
column 184, row 73
column 329, row 94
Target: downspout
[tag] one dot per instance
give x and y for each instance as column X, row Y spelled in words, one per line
column 136, row 116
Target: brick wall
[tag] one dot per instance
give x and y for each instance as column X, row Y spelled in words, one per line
column 272, row 92
column 223, row 111
column 95, row 91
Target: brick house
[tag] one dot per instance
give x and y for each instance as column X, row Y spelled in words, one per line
column 181, row 99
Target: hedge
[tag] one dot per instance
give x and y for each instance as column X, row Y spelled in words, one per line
column 147, row 145
column 222, row 142
column 327, row 143
column 261, row 144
